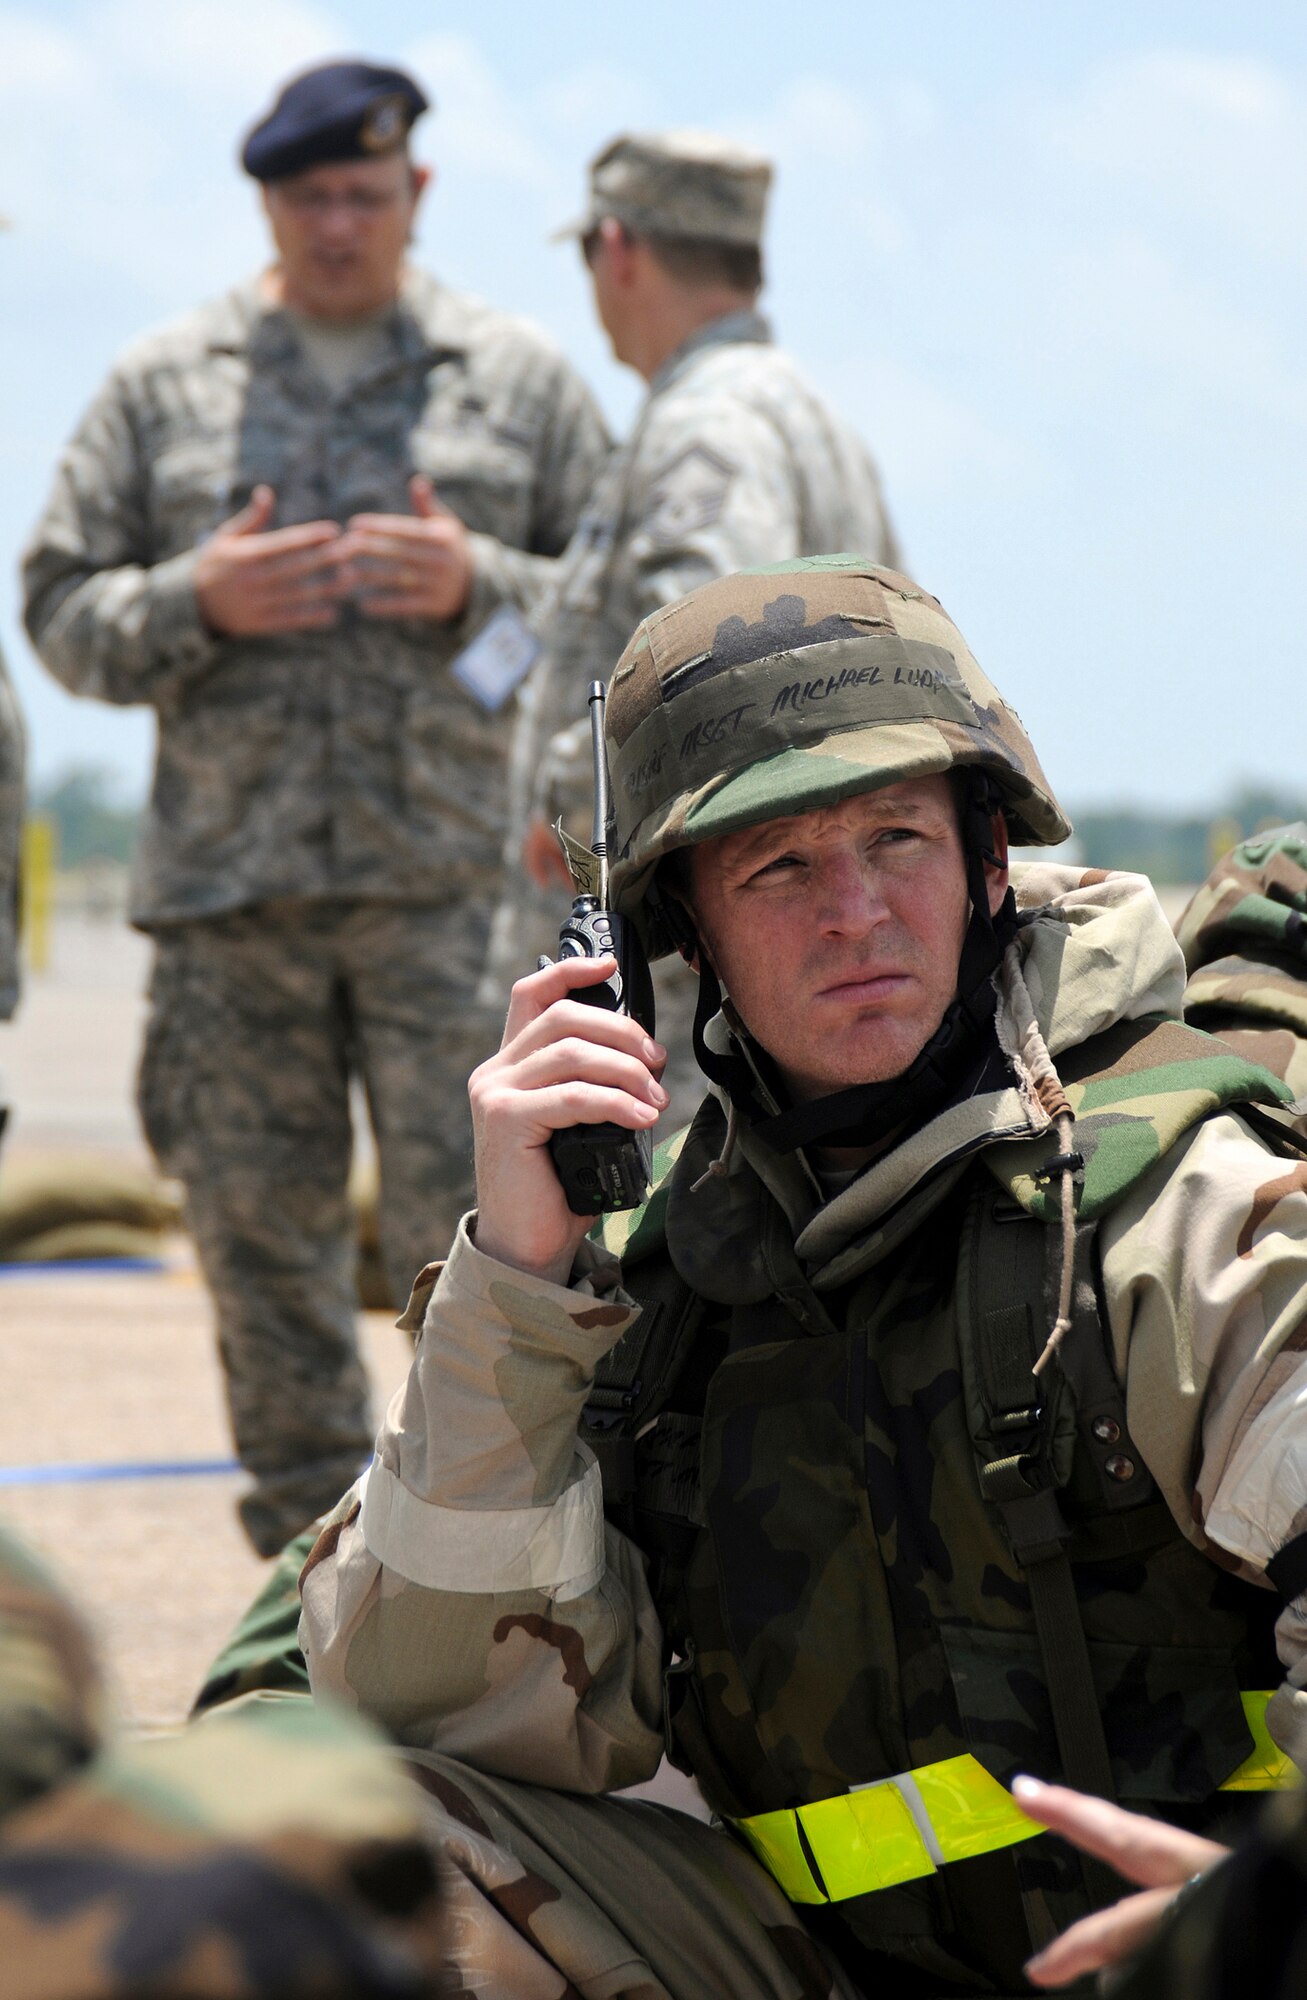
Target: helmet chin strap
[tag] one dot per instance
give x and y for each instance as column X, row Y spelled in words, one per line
column 867, row 1113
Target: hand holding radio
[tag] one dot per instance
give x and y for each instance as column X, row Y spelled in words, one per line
column 562, row 1063
column 604, row 1166
column 563, row 1114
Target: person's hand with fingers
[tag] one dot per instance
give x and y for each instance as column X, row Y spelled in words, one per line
column 416, row 565
column 1159, row 1857
column 250, row 579
column 560, row 1063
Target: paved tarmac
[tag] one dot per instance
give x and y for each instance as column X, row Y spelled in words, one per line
column 113, row 1369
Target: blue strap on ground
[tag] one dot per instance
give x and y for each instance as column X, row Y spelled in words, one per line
column 77, row 1475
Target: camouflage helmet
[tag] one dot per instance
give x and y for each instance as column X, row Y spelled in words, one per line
column 786, row 688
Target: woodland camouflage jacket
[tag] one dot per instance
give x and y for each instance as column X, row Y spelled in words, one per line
column 345, row 762
column 1244, row 939
column 271, row 1851
column 849, row 1608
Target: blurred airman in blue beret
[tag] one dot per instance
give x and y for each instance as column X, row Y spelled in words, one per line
column 300, row 523
column 338, row 111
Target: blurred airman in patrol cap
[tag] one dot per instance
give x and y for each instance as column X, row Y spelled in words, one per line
column 734, row 458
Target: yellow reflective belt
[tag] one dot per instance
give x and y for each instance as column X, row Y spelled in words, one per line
column 885, row 1833
column 912, row 1824
column 1268, row 1769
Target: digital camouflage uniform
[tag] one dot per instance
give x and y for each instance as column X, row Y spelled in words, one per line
column 1244, row 939
column 734, row 459
column 792, row 1569
column 274, row 1851
column 11, row 834
column 320, row 853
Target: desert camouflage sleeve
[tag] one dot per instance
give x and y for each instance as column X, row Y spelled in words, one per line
column 575, row 446
column 468, row 1595
column 1205, row 1268
column 106, row 617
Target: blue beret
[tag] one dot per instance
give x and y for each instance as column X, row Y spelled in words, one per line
column 339, row 111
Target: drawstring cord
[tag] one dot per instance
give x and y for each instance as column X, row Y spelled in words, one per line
column 718, row 1168
column 1064, row 1165
column 1049, row 1090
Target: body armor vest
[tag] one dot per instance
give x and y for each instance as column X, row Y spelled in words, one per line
column 832, row 1490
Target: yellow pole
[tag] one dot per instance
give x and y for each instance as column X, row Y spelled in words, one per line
column 1222, row 835
column 40, row 843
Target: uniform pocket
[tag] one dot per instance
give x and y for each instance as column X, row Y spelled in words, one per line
column 190, row 492
column 1172, row 1716
column 165, row 1080
column 453, row 764
column 487, row 481
column 226, row 767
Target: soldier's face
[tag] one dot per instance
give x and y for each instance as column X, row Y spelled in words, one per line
column 341, row 232
column 837, row 933
column 611, row 259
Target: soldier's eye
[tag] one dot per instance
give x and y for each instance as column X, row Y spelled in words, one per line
column 777, row 864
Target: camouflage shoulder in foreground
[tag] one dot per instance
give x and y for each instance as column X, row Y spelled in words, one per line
column 271, row 1851
column 51, row 1699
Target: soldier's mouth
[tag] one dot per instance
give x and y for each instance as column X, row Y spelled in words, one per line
column 866, row 987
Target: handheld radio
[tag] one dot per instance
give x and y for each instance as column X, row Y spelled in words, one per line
column 603, row 1167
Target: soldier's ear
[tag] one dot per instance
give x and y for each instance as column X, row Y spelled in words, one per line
column 620, row 248
column 670, row 893
column 996, row 871
column 420, row 179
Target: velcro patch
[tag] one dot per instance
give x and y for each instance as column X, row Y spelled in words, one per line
column 688, row 496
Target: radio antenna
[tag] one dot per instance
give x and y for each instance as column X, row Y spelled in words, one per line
column 599, row 833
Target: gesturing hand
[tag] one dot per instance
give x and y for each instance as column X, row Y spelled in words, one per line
column 416, row 565
column 251, row 581
column 1160, row 1857
column 560, row 1063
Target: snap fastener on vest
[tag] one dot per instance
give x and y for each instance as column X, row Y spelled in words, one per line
column 1120, row 1467
column 1106, row 1429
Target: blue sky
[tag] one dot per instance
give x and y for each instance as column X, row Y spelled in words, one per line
column 1051, row 260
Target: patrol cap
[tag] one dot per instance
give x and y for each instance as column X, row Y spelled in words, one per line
column 780, row 690
column 338, row 111
column 691, row 184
